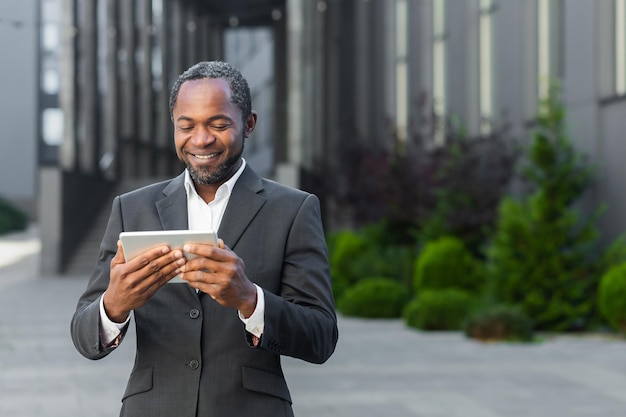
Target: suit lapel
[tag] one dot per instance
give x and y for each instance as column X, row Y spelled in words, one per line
column 173, row 208
column 173, row 216
column 244, row 204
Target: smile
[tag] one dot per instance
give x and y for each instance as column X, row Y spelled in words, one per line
column 209, row 156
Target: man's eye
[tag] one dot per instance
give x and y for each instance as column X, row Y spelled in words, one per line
column 185, row 128
column 221, row 127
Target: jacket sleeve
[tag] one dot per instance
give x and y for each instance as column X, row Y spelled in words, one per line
column 85, row 325
column 301, row 321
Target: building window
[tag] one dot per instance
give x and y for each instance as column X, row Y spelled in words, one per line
column 486, row 104
column 402, row 85
column 620, row 47
column 439, row 70
column 548, row 45
column 52, row 126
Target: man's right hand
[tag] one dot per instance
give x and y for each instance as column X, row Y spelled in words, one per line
column 134, row 282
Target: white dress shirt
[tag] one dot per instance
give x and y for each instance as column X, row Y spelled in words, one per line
column 201, row 216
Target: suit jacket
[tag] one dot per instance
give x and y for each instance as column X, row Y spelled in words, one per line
column 194, row 357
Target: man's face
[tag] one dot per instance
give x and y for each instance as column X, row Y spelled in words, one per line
column 209, row 131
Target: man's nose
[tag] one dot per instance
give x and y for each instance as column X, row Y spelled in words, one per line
column 203, row 137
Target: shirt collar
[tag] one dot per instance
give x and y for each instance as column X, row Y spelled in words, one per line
column 224, row 190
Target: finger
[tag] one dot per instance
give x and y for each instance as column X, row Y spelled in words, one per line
column 202, row 281
column 201, row 249
column 119, row 257
column 163, row 268
column 148, row 258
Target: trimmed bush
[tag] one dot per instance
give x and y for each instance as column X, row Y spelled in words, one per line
column 444, row 309
column 11, row 218
column 368, row 253
column 345, row 247
column 374, row 298
column 499, row 323
column 446, row 263
column 612, row 297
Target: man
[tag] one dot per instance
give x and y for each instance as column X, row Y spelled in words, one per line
column 212, row 347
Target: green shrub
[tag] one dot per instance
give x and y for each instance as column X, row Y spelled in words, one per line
column 345, row 247
column 543, row 256
column 612, row 297
column 11, row 218
column 374, row 298
column 367, row 253
column 499, row 323
column 446, row 263
column 444, row 309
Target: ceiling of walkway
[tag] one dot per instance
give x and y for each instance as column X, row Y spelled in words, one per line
column 246, row 12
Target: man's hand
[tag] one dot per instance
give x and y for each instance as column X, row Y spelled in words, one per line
column 219, row 272
column 133, row 283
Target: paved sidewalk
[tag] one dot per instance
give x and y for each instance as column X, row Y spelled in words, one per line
column 380, row 368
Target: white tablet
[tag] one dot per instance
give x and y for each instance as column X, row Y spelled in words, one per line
column 134, row 243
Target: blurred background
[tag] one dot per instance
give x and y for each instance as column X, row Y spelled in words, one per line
column 342, row 88
column 467, row 155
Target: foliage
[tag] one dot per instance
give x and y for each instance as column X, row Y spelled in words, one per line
column 11, row 218
column 498, row 322
column 441, row 309
column 612, row 297
column 446, row 263
column 416, row 186
column 542, row 254
column 471, row 178
column 374, row 298
column 355, row 255
column 344, row 247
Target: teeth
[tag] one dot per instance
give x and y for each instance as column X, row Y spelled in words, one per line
column 205, row 156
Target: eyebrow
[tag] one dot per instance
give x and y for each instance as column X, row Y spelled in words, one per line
column 211, row 119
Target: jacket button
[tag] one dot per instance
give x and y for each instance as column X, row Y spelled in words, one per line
column 194, row 364
column 194, row 314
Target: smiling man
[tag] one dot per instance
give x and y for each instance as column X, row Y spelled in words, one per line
column 212, row 347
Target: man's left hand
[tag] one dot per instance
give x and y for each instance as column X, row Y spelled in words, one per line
column 219, row 272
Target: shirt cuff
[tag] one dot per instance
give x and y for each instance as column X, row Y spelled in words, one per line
column 255, row 324
column 109, row 330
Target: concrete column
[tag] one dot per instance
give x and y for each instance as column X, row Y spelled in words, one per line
column 280, row 94
column 146, row 105
column 109, row 163
column 128, row 104
column 318, row 74
column 177, row 43
column 164, row 131
column 288, row 172
column 363, row 78
column 88, row 134
column 50, row 219
column 204, row 37
column 67, row 95
column 191, row 31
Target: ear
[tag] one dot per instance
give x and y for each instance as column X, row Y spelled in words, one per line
column 250, row 124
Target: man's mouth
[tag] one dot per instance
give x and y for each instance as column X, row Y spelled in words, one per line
column 205, row 157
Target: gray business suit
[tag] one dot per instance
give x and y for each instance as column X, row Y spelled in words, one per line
column 194, row 357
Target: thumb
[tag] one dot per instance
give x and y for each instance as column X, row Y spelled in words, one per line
column 119, row 257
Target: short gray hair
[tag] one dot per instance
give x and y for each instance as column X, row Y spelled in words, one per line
column 217, row 69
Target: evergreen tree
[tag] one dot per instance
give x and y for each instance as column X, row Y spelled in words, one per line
column 542, row 257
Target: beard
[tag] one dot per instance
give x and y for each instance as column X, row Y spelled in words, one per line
column 223, row 171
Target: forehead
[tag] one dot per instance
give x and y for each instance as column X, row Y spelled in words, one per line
column 207, row 94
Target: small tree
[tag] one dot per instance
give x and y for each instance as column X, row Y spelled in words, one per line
column 543, row 254
column 419, row 189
